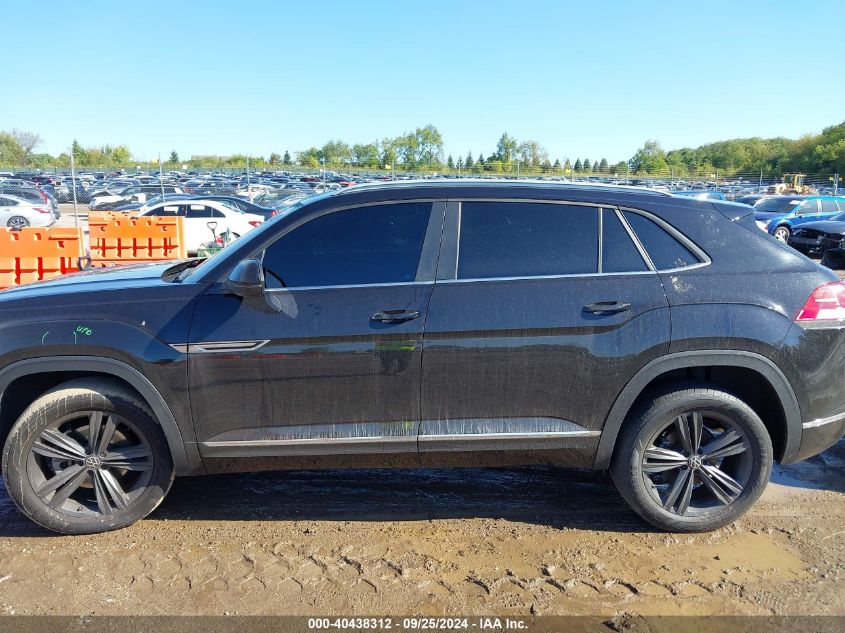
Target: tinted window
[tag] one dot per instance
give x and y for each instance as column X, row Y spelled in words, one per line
column 367, row 245
column 523, row 239
column 618, row 252
column 165, row 211
column 665, row 251
column 204, row 211
column 809, row 206
column 829, row 206
column 8, row 202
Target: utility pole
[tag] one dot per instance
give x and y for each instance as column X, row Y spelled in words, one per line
column 835, row 180
column 760, row 185
column 73, row 180
column 161, row 176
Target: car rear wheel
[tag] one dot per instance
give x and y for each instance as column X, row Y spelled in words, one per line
column 781, row 233
column 692, row 459
column 87, row 457
column 17, row 222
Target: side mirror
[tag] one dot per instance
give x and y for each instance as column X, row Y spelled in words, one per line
column 246, row 279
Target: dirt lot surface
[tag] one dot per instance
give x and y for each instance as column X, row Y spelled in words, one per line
column 518, row 541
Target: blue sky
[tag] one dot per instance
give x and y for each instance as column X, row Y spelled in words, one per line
column 586, row 79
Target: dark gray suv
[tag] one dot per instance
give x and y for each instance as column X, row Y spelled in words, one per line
column 459, row 323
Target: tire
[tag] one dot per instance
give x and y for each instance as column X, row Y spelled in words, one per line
column 17, row 222
column 782, row 234
column 131, row 453
column 647, row 479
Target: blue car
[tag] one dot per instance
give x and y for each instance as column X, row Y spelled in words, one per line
column 779, row 215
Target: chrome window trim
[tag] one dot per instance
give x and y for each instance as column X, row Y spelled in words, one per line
column 542, row 277
column 600, row 237
column 348, row 286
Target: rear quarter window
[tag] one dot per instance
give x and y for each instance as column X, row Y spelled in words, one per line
column 664, row 249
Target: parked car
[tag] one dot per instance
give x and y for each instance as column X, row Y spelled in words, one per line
column 794, row 211
column 18, row 213
column 198, row 214
column 750, row 199
column 34, row 196
column 457, row 323
column 824, row 238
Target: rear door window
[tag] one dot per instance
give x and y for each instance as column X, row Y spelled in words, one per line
column 664, row 249
column 526, row 239
column 829, row 206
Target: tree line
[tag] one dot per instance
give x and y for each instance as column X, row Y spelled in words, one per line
column 422, row 149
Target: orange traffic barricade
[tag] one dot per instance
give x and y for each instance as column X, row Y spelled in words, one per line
column 124, row 239
column 33, row 254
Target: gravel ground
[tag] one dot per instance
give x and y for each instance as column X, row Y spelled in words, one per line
column 463, row 541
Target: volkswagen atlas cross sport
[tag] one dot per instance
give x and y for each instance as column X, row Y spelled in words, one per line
column 452, row 323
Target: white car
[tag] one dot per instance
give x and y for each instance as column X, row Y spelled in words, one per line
column 17, row 213
column 199, row 213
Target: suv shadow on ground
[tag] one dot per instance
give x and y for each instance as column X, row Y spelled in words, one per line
column 559, row 498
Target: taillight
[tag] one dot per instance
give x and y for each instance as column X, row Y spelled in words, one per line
column 44, row 196
column 255, row 223
column 827, row 303
column 42, row 210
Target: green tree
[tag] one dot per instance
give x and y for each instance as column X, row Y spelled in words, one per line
column 556, row 166
column 603, row 166
column 365, row 155
column 335, row 153
column 595, row 165
column 450, row 163
column 274, row 159
column 506, row 149
column 174, row 157
column 11, row 152
column 567, row 166
column 649, row 159
column 577, row 164
column 286, row 159
column 309, row 157
column 586, row 165
column 468, row 163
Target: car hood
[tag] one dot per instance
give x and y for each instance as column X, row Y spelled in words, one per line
column 825, row 226
column 134, row 275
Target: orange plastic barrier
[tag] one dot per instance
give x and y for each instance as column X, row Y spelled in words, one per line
column 122, row 239
column 33, row 254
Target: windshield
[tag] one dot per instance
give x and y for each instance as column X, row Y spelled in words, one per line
column 777, row 205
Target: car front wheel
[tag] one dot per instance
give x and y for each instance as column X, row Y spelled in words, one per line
column 87, row 457
column 781, row 233
column 692, row 459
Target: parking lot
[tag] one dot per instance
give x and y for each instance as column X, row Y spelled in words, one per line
column 521, row 541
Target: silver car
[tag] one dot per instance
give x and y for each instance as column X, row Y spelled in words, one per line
column 17, row 213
